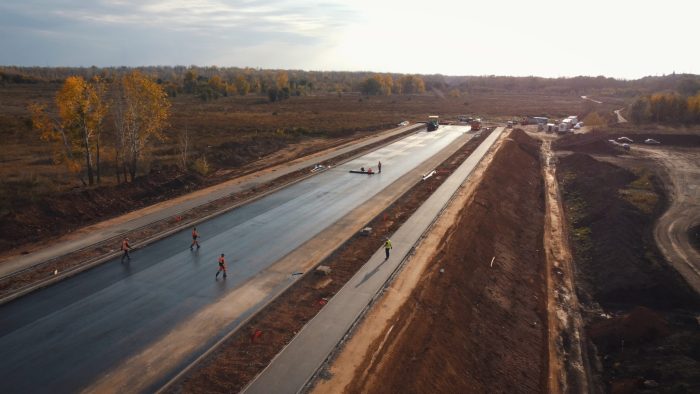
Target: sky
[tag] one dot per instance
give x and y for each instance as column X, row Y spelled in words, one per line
column 549, row 38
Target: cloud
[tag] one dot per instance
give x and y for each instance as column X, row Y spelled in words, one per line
column 167, row 29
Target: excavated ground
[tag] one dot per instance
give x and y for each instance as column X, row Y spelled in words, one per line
column 641, row 316
column 246, row 353
column 469, row 325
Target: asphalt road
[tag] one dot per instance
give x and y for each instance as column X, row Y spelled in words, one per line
column 99, row 232
column 63, row 338
column 295, row 365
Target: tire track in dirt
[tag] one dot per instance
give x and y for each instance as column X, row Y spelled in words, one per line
column 566, row 369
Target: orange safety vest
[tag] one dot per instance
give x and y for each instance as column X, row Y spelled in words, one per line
column 125, row 245
column 195, row 234
column 222, row 261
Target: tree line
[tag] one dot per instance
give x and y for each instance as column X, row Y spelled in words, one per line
column 137, row 106
column 678, row 105
column 212, row 82
column 669, row 107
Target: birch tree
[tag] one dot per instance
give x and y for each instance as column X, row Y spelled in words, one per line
column 141, row 112
column 76, row 132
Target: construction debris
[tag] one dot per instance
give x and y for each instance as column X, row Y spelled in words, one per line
column 428, row 175
column 323, row 269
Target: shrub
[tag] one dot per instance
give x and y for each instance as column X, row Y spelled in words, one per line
column 201, row 166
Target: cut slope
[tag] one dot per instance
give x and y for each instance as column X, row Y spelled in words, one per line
column 470, row 326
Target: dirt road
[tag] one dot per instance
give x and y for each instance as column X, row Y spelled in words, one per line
column 567, row 368
column 590, row 99
column 672, row 230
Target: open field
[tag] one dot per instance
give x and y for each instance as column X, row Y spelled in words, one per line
column 39, row 199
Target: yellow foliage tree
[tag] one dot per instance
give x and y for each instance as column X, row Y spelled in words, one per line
column 81, row 111
column 217, row 84
column 412, row 84
column 242, row 85
column 141, row 112
column 594, row 119
column 282, row 80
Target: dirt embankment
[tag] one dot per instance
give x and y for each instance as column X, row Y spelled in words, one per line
column 596, row 142
column 640, row 313
column 476, row 321
column 232, row 365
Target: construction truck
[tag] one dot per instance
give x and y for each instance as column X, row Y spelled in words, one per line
column 476, row 124
column 433, row 122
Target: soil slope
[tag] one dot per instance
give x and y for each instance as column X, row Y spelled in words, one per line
column 470, row 326
column 641, row 314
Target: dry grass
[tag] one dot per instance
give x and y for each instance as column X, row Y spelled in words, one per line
column 237, row 119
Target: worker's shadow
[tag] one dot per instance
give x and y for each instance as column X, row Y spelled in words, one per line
column 370, row 274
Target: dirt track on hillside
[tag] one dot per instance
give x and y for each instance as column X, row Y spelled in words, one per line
column 640, row 314
column 476, row 321
column 672, row 231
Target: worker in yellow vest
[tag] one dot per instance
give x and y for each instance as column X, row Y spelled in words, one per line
column 387, row 247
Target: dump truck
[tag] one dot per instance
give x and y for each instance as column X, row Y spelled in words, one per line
column 476, row 124
column 433, row 122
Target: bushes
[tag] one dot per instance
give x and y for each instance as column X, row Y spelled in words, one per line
column 201, row 166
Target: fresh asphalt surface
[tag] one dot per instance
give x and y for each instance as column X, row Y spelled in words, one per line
column 62, row 338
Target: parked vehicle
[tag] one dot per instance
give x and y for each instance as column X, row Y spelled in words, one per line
column 651, row 141
column 625, row 139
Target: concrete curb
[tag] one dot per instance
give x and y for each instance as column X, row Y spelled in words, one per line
column 218, row 343
column 373, row 298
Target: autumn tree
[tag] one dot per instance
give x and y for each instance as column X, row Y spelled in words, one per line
column 639, row 110
column 242, row 85
column 190, row 81
column 217, row 84
column 411, row 84
column 141, row 111
column 282, row 80
column 76, row 133
column 372, row 86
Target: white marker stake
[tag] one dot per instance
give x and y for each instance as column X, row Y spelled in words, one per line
column 494, row 258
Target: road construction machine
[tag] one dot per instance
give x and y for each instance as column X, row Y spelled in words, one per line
column 476, row 125
column 433, row 122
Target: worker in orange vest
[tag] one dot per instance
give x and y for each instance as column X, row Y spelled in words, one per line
column 126, row 248
column 222, row 266
column 195, row 235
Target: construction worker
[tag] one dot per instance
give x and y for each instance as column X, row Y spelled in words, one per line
column 387, row 247
column 222, row 266
column 379, row 167
column 126, row 248
column 195, row 235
